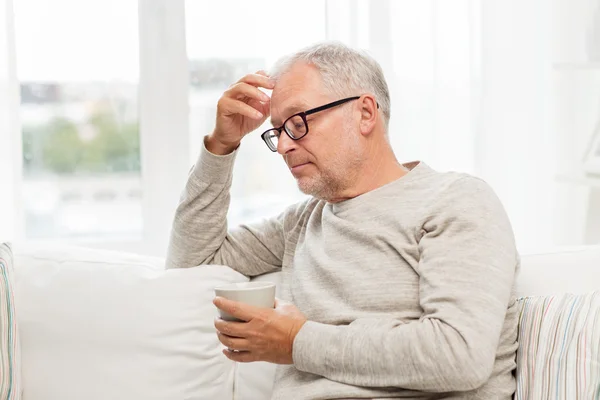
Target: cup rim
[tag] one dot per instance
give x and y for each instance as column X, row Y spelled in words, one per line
column 254, row 286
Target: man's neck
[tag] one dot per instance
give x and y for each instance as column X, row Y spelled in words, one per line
column 378, row 170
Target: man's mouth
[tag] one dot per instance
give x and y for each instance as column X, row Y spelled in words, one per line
column 299, row 166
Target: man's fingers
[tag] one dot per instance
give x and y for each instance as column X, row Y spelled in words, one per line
column 231, row 328
column 245, row 312
column 242, row 89
column 263, row 107
column 232, row 106
column 240, row 356
column 234, row 343
column 258, row 81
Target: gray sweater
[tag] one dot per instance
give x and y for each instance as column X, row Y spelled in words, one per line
column 408, row 289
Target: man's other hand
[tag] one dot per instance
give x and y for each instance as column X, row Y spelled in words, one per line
column 267, row 335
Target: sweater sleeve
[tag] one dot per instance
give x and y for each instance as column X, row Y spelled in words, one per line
column 199, row 233
column 466, row 269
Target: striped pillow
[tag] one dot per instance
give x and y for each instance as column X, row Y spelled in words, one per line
column 10, row 361
column 559, row 347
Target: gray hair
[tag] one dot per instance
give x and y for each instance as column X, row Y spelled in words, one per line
column 344, row 71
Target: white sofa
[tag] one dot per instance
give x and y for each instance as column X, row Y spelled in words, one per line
column 100, row 325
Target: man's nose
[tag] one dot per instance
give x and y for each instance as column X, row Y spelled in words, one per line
column 285, row 144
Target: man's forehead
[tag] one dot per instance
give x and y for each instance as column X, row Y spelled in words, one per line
column 281, row 109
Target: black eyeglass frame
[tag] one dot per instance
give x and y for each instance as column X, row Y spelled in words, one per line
column 303, row 115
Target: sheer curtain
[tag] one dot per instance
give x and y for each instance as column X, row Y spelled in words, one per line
column 429, row 53
column 516, row 143
column 9, row 126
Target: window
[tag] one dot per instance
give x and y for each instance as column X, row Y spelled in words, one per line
column 94, row 164
column 77, row 65
column 262, row 184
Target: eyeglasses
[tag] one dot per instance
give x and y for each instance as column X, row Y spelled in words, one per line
column 296, row 126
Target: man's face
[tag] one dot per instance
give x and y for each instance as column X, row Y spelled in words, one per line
column 327, row 159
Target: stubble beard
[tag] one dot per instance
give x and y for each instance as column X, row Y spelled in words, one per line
column 339, row 175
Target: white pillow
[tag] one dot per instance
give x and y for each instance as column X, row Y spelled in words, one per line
column 100, row 325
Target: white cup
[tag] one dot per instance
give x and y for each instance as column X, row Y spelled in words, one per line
column 258, row 294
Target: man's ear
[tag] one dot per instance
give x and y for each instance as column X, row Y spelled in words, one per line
column 369, row 113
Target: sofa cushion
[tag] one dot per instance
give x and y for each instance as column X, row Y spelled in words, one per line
column 107, row 325
column 10, row 356
column 559, row 347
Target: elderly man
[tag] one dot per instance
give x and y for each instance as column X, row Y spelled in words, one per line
column 397, row 279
